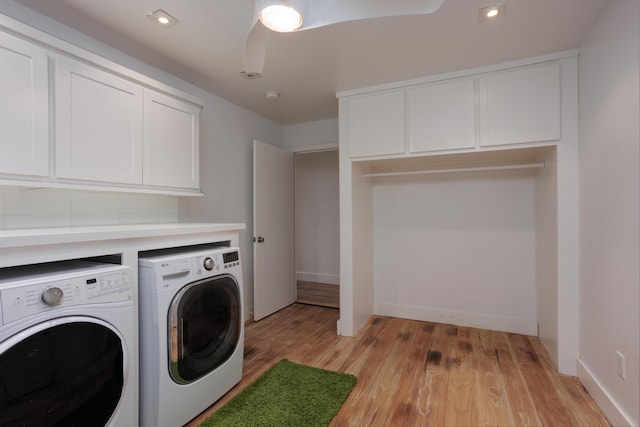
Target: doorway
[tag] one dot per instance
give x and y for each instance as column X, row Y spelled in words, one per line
column 317, row 232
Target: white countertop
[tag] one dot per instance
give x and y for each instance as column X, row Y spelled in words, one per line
column 52, row 236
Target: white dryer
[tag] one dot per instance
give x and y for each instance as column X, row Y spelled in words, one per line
column 68, row 345
column 191, row 332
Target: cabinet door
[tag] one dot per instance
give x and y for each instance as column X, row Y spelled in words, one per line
column 520, row 106
column 441, row 116
column 24, row 108
column 98, row 125
column 376, row 124
column 171, row 141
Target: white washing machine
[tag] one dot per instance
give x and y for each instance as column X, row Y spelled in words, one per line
column 191, row 332
column 68, row 345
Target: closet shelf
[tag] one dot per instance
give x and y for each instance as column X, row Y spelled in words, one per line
column 455, row 170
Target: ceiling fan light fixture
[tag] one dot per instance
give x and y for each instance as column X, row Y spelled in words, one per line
column 281, row 17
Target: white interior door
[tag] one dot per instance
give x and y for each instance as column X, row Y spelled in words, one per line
column 273, row 229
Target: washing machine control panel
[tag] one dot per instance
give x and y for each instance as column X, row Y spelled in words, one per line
column 33, row 296
column 218, row 261
column 173, row 271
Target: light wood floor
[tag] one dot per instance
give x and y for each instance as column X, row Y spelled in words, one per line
column 414, row 373
column 318, row 294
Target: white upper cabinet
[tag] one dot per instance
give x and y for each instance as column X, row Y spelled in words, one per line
column 465, row 112
column 376, row 124
column 99, row 118
column 441, row 116
column 520, row 106
column 24, row 108
column 171, row 141
column 73, row 120
column 112, row 130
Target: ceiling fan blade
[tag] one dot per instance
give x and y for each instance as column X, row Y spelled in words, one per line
column 320, row 13
column 254, row 51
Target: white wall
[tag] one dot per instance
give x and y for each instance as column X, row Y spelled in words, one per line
column 38, row 208
column 457, row 249
column 317, row 217
column 226, row 135
column 320, row 133
column 610, row 210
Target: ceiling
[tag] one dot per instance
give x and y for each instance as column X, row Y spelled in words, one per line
column 308, row 67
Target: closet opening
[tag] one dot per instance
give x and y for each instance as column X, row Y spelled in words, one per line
column 466, row 238
column 317, row 228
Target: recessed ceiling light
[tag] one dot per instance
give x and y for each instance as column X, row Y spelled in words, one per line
column 491, row 13
column 162, row 18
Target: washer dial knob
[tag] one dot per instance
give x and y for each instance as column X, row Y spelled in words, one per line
column 52, row 297
column 208, row 263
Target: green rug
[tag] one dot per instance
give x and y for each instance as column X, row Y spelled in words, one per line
column 287, row 395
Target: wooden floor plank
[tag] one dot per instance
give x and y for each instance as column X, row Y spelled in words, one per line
column 545, row 397
column 462, row 409
column 367, row 369
column 582, row 405
column 436, row 377
column 583, row 411
column 492, row 402
column 414, row 373
column 515, row 386
column 406, row 403
column 388, row 378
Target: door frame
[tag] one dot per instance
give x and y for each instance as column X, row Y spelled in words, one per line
column 316, row 148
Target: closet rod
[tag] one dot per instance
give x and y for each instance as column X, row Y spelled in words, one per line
column 455, row 170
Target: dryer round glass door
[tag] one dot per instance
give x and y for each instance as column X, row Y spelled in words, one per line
column 204, row 327
column 63, row 372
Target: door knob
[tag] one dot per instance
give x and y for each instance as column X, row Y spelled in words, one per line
column 260, row 239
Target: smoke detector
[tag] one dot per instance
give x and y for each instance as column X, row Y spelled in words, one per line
column 271, row 95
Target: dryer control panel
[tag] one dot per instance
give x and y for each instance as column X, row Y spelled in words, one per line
column 34, row 289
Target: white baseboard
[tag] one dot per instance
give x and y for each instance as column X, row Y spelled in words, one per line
column 329, row 279
column 458, row 318
column 607, row 404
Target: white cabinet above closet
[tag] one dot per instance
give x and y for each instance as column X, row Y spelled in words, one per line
column 455, row 113
column 24, row 108
column 519, row 106
column 441, row 116
column 376, row 124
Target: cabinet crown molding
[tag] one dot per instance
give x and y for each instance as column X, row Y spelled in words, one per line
column 461, row 74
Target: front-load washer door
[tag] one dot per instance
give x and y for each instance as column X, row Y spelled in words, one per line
column 63, row 372
column 204, row 327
